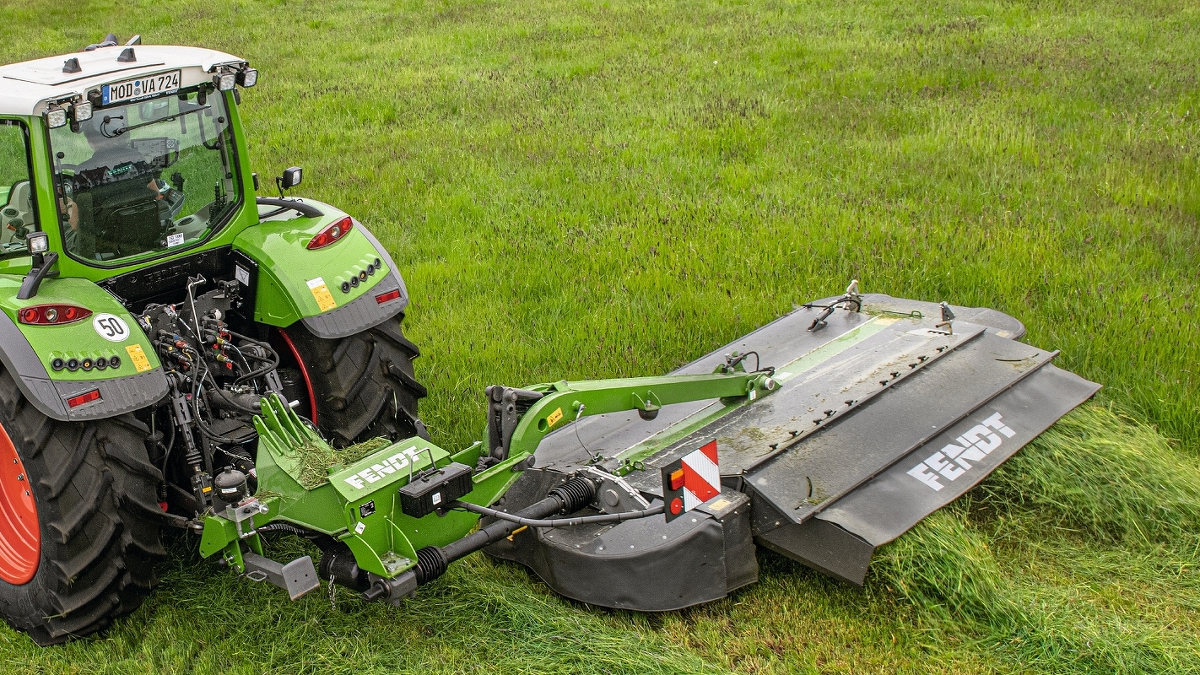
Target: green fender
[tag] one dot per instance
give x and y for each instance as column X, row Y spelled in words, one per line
column 336, row 291
column 30, row 353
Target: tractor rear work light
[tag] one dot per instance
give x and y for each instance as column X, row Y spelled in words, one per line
column 83, row 111
column 224, row 81
column 248, row 77
column 85, row 397
column 52, row 315
column 56, row 117
column 38, row 242
column 331, row 234
column 388, row 297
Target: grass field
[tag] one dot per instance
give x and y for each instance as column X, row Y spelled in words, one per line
column 596, row 189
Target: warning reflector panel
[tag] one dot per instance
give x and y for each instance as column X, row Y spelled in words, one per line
column 691, row 480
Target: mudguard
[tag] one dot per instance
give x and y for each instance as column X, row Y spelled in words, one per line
column 29, row 352
column 336, row 291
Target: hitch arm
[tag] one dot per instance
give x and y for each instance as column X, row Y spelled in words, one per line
column 570, row 401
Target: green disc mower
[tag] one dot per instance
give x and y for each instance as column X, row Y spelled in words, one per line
column 177, row 353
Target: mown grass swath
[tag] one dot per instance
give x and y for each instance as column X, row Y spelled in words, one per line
column 607, row 189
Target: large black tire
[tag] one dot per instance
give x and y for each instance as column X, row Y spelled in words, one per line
column 363, row 384
column 98, row 517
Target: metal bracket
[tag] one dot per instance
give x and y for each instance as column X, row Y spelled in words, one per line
column 947, row 319
column 647, row 407
column 297, row 577
column 431, row 469
column 613, row 494
column 245, row 512
column 506, row 407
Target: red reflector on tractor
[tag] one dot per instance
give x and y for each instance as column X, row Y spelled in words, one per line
column 677, row 479
column 50, row 315
column 85, row 397
column 331, row 233
column 387, row 297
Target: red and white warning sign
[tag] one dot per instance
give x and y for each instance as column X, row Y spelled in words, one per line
column 691, row 481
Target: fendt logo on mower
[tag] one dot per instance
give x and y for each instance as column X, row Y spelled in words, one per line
column 953, row 460
column 378, row 472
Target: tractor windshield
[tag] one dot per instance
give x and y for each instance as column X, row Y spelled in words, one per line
column 145, row 177
column 18, row 217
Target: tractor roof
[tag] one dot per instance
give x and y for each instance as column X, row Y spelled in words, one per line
column 28, row 87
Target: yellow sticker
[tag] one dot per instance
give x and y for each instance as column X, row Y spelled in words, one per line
column 720, row 504
column 554, row 417
column 140, row 362
column 321, row 294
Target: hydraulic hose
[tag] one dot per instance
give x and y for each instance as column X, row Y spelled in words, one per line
column 559, row 522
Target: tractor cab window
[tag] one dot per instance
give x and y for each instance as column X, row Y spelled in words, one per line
column 18, row 217
column 145, row 177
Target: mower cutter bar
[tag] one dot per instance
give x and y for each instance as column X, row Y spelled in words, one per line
column 880, row 418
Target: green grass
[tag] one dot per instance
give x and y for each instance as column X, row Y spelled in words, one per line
column 597, row 189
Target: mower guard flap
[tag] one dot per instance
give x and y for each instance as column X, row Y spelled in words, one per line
column 887, row 505
column 880, row 417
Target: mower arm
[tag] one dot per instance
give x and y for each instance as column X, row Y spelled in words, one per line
column 362, row 504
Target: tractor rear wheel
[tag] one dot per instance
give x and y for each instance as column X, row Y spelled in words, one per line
column 80, row 524
column 363, row 385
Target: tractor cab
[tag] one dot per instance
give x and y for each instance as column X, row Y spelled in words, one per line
column 142, row 148
column 144, row 177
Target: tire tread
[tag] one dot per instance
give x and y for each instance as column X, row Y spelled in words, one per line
column 100, row 522
column 360, row 377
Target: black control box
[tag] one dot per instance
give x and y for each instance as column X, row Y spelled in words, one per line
column 434, row 491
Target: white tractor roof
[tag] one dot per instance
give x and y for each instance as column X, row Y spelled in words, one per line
column 25, row 88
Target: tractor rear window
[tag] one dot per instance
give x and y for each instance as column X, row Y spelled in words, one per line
column 18, row 217
column 146, row 177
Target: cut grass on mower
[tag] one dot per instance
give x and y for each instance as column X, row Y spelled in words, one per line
column 590, row 190
column 316, row 460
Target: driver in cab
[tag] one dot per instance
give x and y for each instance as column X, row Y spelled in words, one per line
column 112, row 156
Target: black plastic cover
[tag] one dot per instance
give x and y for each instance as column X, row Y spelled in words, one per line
column 436, row 490
column 645, row 564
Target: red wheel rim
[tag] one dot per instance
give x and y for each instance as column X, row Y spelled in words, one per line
column 312, row 400
column 20, row 536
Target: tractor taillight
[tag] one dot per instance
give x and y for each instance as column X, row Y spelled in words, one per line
column 388, row 297
column 677, row 479
column 50, row 315
column 331, row 234
column 85, row 397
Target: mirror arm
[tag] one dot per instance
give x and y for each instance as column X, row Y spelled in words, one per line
column 305, row 209
column 29, row 286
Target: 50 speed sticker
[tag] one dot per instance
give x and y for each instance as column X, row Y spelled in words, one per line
column 110, row 327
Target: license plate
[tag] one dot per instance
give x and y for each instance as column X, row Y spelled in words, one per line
column 142, row 87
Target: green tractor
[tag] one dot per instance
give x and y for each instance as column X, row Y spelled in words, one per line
column 150, row 301
column 179, row 354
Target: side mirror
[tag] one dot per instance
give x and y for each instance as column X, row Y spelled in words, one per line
column 291, row 178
